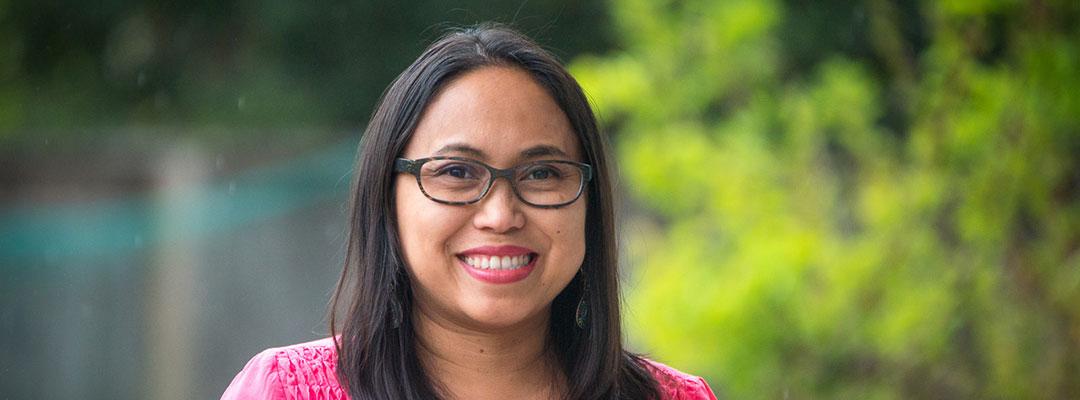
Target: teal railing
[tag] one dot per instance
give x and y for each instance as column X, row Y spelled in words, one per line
column 31, row 234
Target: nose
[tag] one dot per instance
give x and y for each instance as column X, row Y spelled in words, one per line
column 500, row 210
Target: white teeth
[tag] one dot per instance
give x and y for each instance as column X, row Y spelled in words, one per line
column 505, row 262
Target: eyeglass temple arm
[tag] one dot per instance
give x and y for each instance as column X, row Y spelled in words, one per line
column 405, row 165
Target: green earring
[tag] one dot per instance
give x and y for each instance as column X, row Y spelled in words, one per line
column 582, row 314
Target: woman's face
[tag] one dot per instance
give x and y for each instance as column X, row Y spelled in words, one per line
column 499, row 116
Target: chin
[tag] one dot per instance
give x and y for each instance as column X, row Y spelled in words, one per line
column 501, row 315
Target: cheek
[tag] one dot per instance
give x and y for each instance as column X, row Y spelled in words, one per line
column 411, row 214
column 569, row 234
column 425, row 227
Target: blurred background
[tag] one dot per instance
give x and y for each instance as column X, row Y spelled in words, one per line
column 832, row 199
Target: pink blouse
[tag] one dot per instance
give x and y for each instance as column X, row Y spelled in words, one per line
column 306, row 372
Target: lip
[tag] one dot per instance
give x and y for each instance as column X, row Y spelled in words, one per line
column 498, row 276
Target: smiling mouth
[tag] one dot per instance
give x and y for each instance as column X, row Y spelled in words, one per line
column 498, row 262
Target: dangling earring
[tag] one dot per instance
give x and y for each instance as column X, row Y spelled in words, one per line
column 582, row 314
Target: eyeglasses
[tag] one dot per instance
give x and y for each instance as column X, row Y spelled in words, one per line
column 461, row 181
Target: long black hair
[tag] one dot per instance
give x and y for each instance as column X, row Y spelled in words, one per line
column 376, row 351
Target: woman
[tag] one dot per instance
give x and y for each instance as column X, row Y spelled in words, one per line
column 459, row 284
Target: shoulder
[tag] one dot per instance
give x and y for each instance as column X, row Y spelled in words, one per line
column 677, row 385
column 301, row 371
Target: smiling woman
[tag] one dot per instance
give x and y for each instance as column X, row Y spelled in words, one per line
column 459, row 284
column 500, row 113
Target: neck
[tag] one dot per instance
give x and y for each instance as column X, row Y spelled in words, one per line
column 473, row 363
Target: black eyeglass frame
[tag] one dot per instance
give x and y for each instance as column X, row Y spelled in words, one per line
column 412, row 167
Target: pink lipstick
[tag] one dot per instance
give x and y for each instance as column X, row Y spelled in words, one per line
column 498, row 264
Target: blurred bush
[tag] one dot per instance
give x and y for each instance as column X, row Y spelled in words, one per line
column 869, row 200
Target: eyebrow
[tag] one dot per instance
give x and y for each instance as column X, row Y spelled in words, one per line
column 460, row 148
column 542, row 150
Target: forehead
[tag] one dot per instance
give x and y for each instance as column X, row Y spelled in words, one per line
column 500, row 112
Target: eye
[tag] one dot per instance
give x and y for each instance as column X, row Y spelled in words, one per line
column 459, row 171
column 541, row 172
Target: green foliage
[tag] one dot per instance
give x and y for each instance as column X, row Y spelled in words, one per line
column 897, row 216
column 71, row 68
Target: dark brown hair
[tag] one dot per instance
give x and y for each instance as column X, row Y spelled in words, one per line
column 376, row 352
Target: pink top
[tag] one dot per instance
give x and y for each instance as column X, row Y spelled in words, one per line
column 306, row 372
